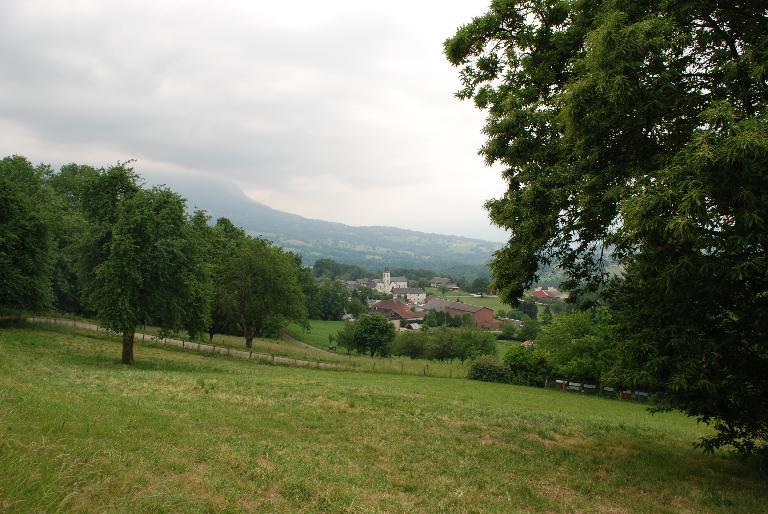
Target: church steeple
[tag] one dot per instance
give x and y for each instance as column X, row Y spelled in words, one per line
column 385, row 279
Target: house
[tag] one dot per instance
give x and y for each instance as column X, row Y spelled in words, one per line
column 443, row 283
column 394, row 309
column 365, row 282
column 540, row 294
column 483, row 316
column 410, row 294
column 549, row 293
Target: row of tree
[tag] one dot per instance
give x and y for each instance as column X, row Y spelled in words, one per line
column 97, row 242
column 332, row 270
column 578, row 346
column 445, row 344
column 374, row 334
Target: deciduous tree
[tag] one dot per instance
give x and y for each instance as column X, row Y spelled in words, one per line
column 25, row 237
column 151, row 272
column 639, row 128
column 260, row 285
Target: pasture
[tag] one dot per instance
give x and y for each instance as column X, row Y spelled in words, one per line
column 185, row 432
column 318, row 332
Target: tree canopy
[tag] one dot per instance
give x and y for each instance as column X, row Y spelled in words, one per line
column 25, row 237
column 152, row 271
column 259, row 285
column 639, row 129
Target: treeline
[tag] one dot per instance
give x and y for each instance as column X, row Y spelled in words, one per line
column 445, row 344
column 97, row 242
column 333, row 270
column 577, row 346
column 329, row 299
column 375, row 335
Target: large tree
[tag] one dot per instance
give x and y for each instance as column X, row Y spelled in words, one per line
column 69, row 231
column 259, row 284
column 374, row 334
column 25, row 237
column 331, row 300
column 639, row 128
column 149, row 269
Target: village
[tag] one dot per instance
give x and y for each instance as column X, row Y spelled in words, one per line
column 409, row 306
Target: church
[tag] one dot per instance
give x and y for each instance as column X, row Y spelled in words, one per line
column 387, row 283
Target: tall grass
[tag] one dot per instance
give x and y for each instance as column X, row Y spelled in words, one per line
column 187, row 432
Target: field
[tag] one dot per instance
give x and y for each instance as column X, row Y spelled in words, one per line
column 318, row 333
column 185, row 432
column 492, row 302
column 357, row 362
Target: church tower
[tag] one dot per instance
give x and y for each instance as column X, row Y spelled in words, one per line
column 385, row 279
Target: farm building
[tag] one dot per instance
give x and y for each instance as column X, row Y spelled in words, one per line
column 483, row 316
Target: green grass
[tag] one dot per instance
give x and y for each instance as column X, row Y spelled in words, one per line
column 365, row 363
column 493, row 303
column 184, row 432
column 318, row 332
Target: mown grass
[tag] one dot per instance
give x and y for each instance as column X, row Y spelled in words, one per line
column 184, row 432
column 318, row 332
column 358, row 362
column 492, row 302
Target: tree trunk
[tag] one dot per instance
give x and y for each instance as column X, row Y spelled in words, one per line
column 128, row 346
column 249, row 342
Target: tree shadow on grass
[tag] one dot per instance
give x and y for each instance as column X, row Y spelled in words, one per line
column 639, row 462
column 73, row 350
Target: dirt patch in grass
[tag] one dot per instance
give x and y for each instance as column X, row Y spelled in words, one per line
column 557, row 440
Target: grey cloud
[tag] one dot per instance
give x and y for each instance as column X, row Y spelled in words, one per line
column 231, row 89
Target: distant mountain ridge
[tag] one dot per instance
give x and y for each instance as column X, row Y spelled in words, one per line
column 369, row 247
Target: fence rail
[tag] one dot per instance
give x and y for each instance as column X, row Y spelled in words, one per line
column 193, row 345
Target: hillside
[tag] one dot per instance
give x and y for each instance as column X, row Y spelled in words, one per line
column 184, row 432
column 368, row 247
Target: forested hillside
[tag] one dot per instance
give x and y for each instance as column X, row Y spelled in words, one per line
column 368, row 247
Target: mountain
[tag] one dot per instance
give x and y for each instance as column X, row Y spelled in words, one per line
column 368, row 247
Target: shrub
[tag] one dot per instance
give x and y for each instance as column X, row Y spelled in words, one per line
column 412, row 344
column 488, row 369
column 508, row 331
column 440, row 345
column 468, row 343
column 528, row 366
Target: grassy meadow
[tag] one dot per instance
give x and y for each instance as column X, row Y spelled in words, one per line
column 492, row 302
column 318, row 332
column 185, row 432
column 358, row 362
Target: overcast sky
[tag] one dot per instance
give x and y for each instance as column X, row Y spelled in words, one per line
column 338, row 110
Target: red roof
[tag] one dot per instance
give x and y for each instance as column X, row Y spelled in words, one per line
column 541, row 294
column 396, row 307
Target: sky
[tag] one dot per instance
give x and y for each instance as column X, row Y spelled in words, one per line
column 336, row 110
